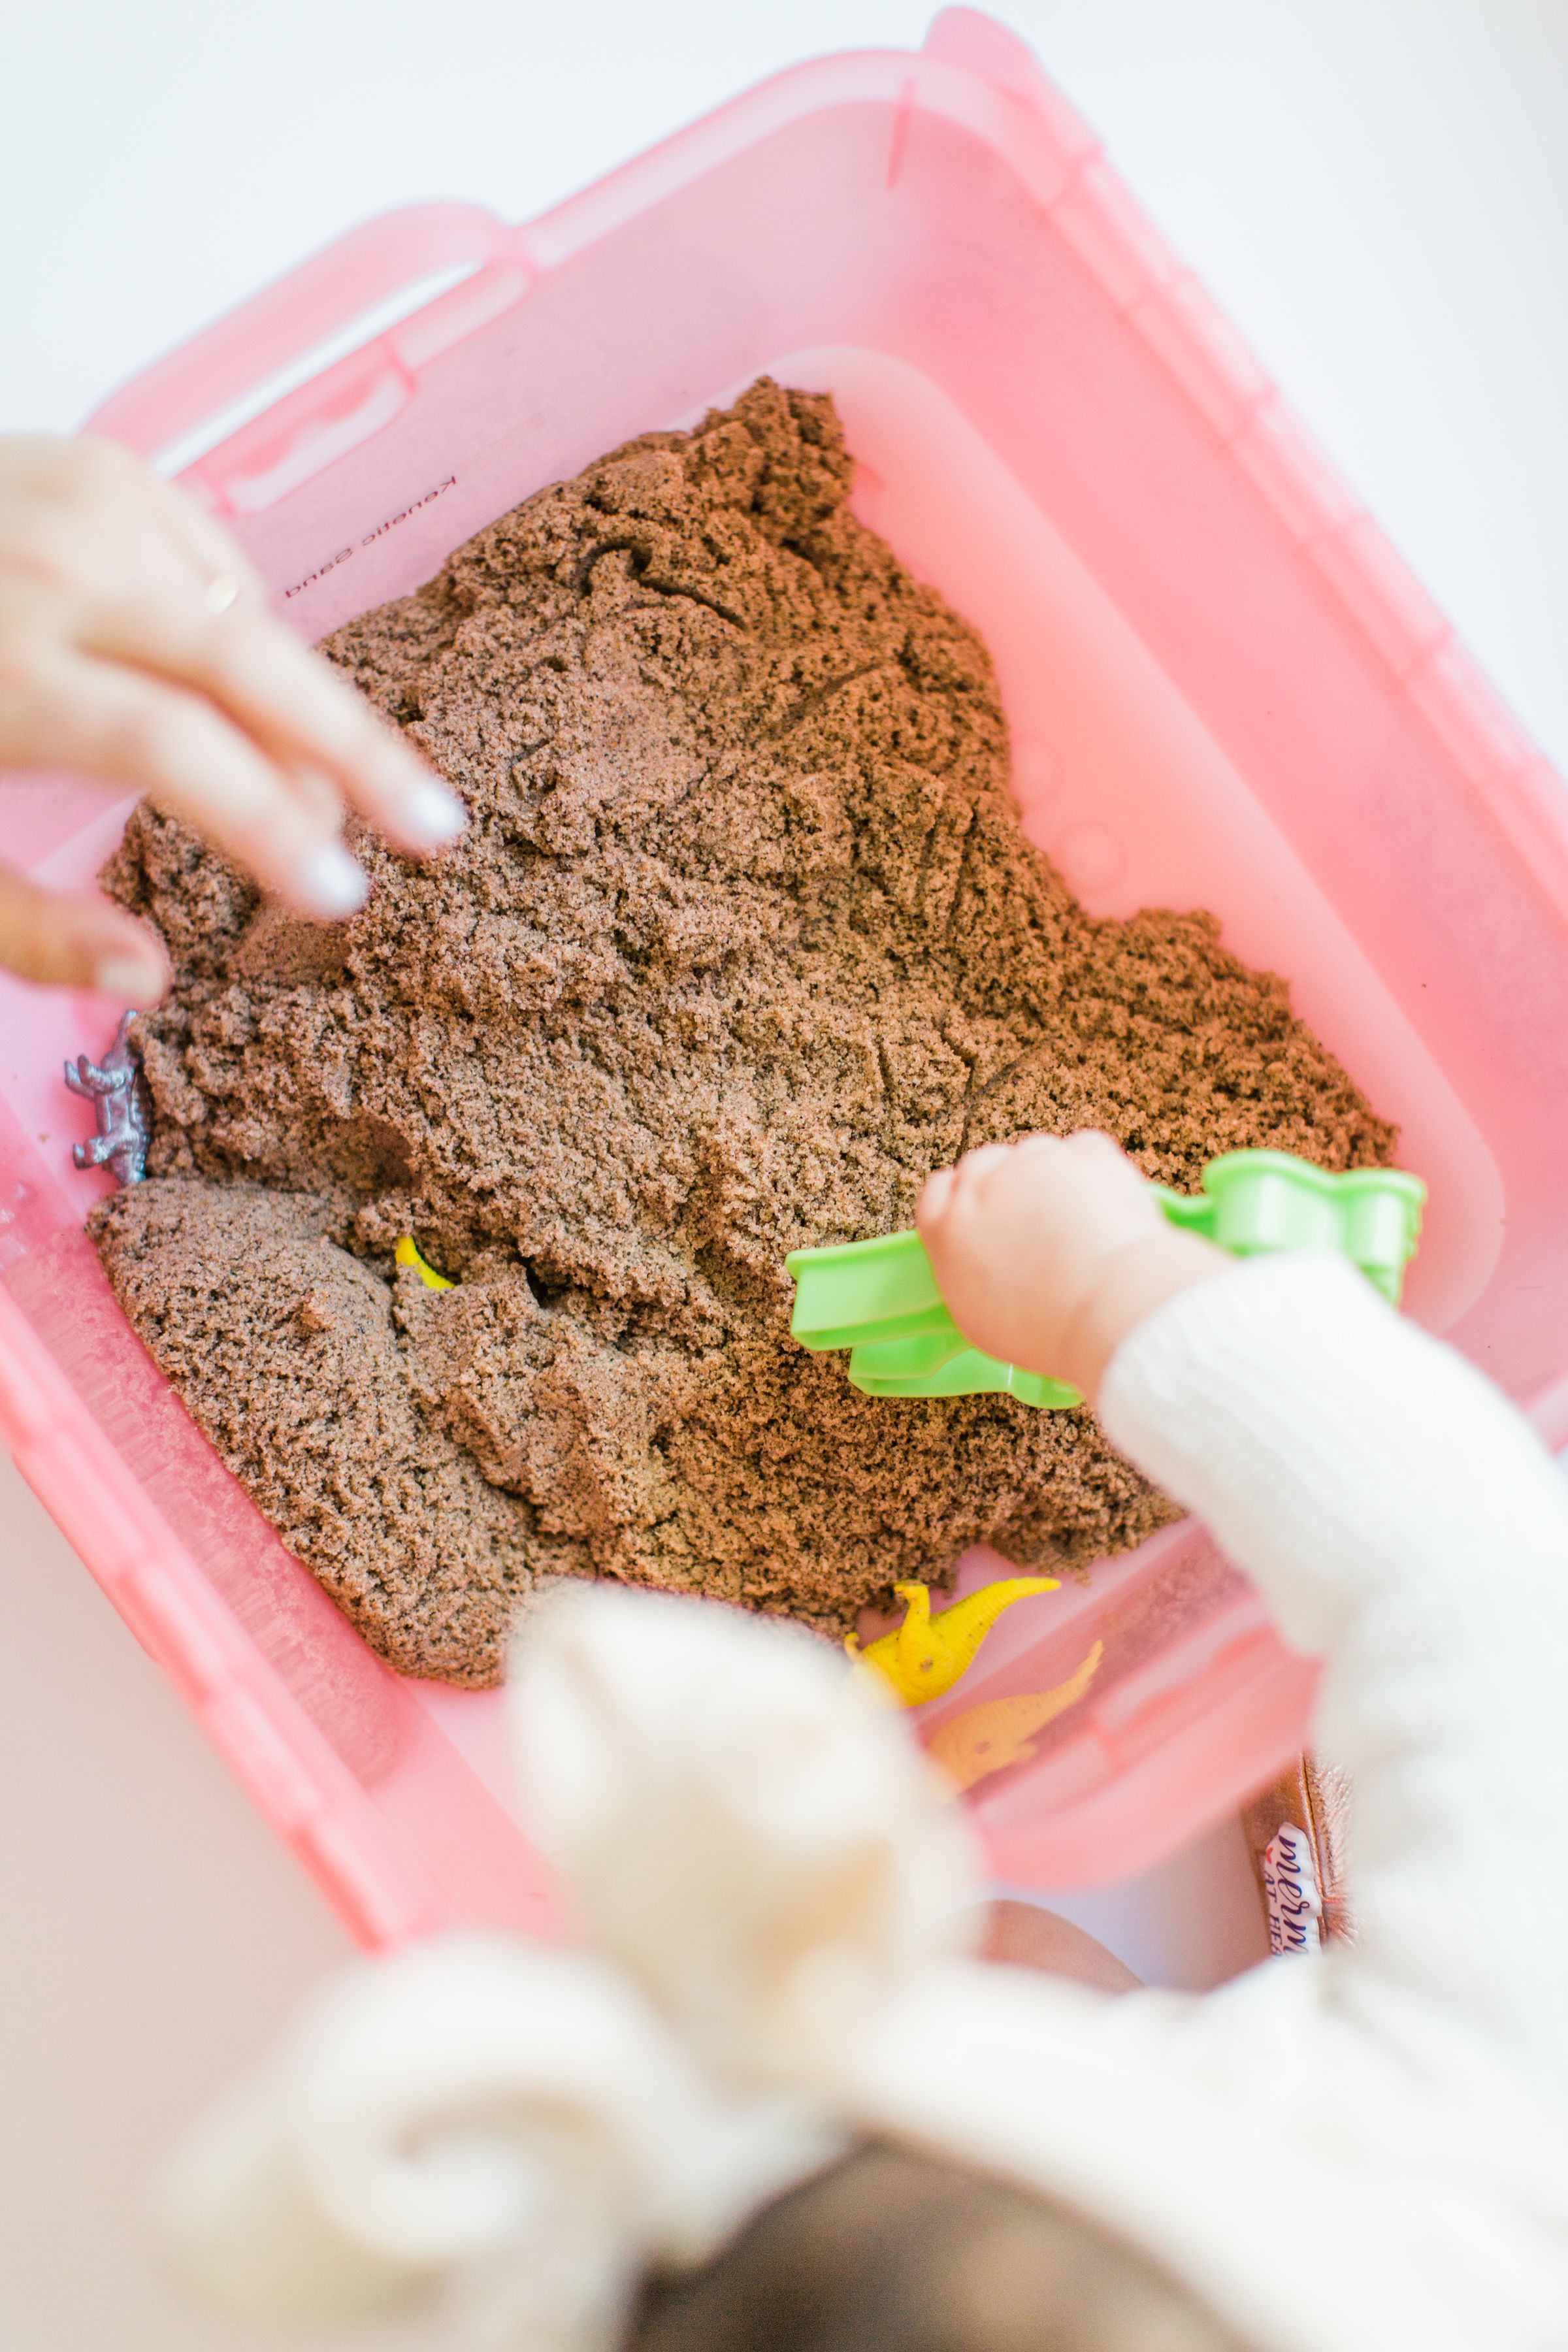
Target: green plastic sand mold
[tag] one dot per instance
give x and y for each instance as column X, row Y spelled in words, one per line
column 879, row 1300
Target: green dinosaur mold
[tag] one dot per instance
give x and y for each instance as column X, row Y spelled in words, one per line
column 866, row 1292
column 1254, row 1202
column 880, row 1299
column 885, row 1369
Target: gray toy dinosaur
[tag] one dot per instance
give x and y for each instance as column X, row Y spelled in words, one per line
column 123, row 1105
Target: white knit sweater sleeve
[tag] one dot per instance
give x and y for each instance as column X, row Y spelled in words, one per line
column 1406, row 1523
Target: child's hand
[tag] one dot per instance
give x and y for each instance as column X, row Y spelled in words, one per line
column 1049, row 1250
column 136, row 646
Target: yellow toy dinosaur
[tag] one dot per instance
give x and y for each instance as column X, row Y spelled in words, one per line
column 405, row 1253
column 927, row 1655
column 988, row 1738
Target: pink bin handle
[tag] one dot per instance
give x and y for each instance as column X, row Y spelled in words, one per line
column 314, row 301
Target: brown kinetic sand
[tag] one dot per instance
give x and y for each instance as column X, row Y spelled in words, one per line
column 744, row 940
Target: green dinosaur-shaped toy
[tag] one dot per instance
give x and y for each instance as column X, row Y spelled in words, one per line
column 880, row 1299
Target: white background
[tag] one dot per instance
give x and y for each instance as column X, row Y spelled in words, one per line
column 1377, row 191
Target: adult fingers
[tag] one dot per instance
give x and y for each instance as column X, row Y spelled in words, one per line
column 317, row 795
column 79, row 943
column 294, row 704
column 106, row 472
column 133, row 571
column 129, row 727
column 220, row 562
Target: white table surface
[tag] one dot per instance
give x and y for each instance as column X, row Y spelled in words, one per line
column 1378, row 192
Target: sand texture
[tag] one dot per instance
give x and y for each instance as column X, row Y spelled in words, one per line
column 743, row 941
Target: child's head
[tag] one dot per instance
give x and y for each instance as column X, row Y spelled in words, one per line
column 772, row 1882
column 895, row 2253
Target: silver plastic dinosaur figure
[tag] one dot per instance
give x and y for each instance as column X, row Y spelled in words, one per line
column 122, row 1103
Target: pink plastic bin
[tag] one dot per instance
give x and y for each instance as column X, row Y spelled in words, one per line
column 1224, row 691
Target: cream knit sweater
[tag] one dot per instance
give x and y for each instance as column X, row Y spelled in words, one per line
column 1359, row 2151
column 1365, row 2147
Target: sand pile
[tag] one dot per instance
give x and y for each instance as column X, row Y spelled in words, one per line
column 743, row 941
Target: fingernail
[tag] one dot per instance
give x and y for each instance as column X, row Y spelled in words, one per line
column 433, row 814
column 134, row 980
column 329, row 882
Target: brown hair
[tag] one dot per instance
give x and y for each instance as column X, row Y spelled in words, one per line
column 891, row 2251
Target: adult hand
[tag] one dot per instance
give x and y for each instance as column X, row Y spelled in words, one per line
column 136, row 646
column 1049, row 1250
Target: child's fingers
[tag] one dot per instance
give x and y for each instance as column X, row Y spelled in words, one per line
column 984, row 1158
column 296, row 706
column 936, row 1194
column 131, row 729
column 973, row 1172
column 79, row 943
column 1092, row 1144
column 961, row 1189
